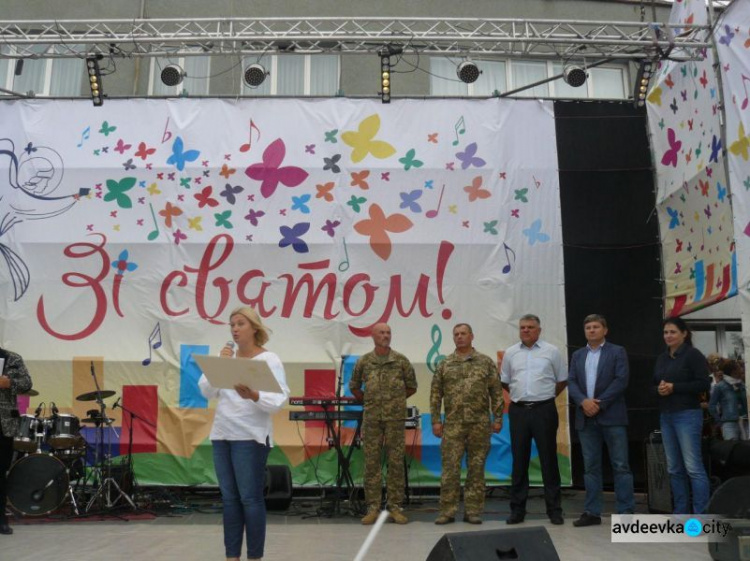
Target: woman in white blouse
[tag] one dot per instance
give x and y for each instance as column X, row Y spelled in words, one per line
column 242, row 436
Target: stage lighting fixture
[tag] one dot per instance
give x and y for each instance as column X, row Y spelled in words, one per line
column 385, row 78
column 95, row 79
column 574, row 76
column 468, row 72
column 642, row 79
column 172, row 75
column 255, row 75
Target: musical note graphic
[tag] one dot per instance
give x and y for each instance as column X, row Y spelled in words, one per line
column 154, row 342
column 508, row 252
column 744, row 87
column 344, row 265
column 537, row 183
column 433, row 356
column 84, row 136
column 460, row 128
column 246, row 147
column 154, row 233
column 167, row 133
column 433, row 213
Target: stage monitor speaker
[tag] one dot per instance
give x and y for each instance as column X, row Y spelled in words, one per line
column 278, row 488
column 731, row 499
column 526, row 544
column 659, row 491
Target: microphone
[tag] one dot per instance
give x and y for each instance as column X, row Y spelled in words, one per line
column 39, row 409
column 116, row 404
column 230, row 344
column 55, row 410
column 92, row 369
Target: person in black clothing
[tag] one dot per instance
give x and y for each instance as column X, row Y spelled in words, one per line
column 14, row 379
column 680, row 376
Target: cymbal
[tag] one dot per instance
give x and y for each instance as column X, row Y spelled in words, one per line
column 92, row 396
column 30, row 393
column 97, row 420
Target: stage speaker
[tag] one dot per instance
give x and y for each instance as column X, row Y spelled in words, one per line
column 278, row 488
column 531, row 544
column 731, row 458
column 659, row 491
column 731, row 499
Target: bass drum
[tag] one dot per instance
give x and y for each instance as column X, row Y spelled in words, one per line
column 37, row 484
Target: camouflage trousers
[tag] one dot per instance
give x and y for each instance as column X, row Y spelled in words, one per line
column 376, row 437
column 474, row 440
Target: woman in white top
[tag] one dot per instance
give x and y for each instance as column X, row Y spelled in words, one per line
column 242, row 436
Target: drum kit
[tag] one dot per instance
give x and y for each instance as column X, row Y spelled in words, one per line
column 51, row 466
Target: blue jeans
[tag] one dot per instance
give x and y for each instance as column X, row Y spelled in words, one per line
column 241, row 470
column 681, row 435
column 616, row 438
column 730, row 430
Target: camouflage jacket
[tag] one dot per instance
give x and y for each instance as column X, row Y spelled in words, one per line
column 20, row 382
column 385, row 381
column 469, row 389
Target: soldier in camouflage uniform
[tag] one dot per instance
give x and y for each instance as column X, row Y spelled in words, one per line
column 388, row 378
column 14, row 379
column 467, row 383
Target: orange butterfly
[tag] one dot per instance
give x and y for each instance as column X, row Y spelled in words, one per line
column 704, row 187
column 324, row 191
column 669, row 82
column 377, row 228
column 358, row 179
column 170, row 212
column 226, row 171
column 475, row 190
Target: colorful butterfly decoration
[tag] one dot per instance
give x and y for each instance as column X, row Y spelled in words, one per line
column 121, row 147
column 222, row 219
column 409, row 200
column 293, row 237
column 358, row 179
column 253, row 215
column 169, row 212
column 106, row 129
column 356, row 202
column 410, row 161
column 377, row 228
column 468, row 157
column 144, row 151
column 331, row 164
column 204, row 198
column 230, row 193
column 330, row 227
column 534, row 233
column 670, row 156
column 475, row 190
column 324, row 191
column 116, row 191
column 271, row 173
column 180, row 156
column 300, row 203
column 363, row 140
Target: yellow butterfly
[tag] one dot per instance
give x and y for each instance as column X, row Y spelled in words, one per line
column 655, row 96
column 363, row 140
column 195, row 223
column 741, row 146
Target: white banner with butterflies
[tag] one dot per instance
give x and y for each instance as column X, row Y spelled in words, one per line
column 129, row 232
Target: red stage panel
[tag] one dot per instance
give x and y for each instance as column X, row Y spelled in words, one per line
column 143, row 402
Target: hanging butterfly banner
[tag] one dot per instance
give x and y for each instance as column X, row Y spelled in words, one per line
column 693, row 203
column 129, row 232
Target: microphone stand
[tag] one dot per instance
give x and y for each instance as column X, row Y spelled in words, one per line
column 133, row 417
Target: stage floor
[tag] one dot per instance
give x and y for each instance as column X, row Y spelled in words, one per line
column 193, row 532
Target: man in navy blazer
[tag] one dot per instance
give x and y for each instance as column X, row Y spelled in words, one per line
column 597, row 381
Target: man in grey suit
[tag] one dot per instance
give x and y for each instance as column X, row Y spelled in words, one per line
column 597, row 381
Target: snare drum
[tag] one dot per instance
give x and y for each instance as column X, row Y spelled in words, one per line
column 37, row 484
column 26, row 436
column 64, row 432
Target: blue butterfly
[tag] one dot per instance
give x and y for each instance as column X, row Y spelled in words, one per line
column 229, row 193
column 409, row 200
column 292, row 236
column 300, row 203
column 722, row 191
column 715, row 148
column 728, row 36
column 674, row 218
column 180, row 156
column 468, row 158
column 534, row 232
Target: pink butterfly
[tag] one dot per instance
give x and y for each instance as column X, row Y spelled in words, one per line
column 670, row 156
column 121, row 146
column 253, row 215
column 270, row 172
column 330, row 227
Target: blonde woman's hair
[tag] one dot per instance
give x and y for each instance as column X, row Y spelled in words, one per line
column 261, row 331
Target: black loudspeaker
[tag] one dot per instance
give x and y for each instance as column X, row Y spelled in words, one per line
column 659, row 491
column 731, row 499
column 731, row 458
column 277, row 491
column 531, row 544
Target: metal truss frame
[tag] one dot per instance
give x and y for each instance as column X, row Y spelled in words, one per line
column 566, row 40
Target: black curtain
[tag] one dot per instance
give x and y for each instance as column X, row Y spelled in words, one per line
column 611, row 249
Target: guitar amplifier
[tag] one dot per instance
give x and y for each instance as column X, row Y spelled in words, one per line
column 659, row 490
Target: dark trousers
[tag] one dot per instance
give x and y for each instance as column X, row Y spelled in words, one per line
column 540, row 423
column 6, row 455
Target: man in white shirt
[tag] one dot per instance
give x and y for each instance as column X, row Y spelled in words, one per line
column 534, row 373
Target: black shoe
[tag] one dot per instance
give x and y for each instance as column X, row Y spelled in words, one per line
column 515, row 518
column 5, row 529
column 587, row 519
column 556, row 519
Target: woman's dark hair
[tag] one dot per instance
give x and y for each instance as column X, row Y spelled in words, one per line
column 680, row 324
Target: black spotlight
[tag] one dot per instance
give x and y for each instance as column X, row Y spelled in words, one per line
column 95, row 79
column 255, row 75
column 574, row 76
column 172, row 75
column 385, row 78
column 642, row 79
column 468, row 72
